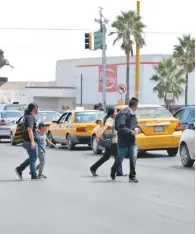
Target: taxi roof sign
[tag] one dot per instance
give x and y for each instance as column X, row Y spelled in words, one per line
column 79, row 108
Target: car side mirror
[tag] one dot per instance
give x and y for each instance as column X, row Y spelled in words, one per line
column 191, row 126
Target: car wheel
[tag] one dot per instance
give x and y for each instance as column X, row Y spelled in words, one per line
column 70, row 143
column 50, row 138
column 95, row 146
column 12, row 139
column 172, row 152
column 185, row 156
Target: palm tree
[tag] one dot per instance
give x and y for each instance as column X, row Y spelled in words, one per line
column 184, row 54
column 168, row 78
column 129, row 29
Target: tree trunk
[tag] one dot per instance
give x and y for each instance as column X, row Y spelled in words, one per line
column 186, row 89
column 127, row 96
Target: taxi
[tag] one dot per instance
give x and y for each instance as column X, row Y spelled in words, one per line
column 74, row 127
column 46, row 117
column 160, row 130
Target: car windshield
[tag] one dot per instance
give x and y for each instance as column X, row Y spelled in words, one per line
column 152, row 112
column 47, row 116
column 88, row 116
column 11, row 114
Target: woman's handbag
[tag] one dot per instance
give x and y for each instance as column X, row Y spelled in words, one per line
column 106, row 141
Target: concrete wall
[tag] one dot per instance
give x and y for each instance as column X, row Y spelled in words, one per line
column 54, row 103
column 69, row 71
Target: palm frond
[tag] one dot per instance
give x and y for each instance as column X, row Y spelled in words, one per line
column 168, row 78
column 184, row 53
column 129, row 28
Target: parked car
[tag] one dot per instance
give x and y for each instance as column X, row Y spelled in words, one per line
column 44, row 116
column 74, row 127
column 8, row 119
column 187, row 146
column 2, row 106
column 160, row 130
column 16, row 106
column 186, row 115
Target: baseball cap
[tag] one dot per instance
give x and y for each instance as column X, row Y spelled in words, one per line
column 41, row 124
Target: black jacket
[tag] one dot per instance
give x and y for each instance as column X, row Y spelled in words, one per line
column 127, row 122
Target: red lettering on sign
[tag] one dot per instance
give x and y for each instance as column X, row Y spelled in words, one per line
column 111, row 78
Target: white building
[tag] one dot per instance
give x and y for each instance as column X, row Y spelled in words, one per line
column 69, row 90
column 47, row 94
column 69, row 72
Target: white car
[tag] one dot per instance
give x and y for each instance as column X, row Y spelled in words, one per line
column 187, row 146
column 8, row 119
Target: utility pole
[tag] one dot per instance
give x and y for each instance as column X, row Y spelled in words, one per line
column 103, row 21
column 137, row 70
column 81, row 90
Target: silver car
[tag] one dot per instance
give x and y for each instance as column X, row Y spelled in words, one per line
column 8, row 119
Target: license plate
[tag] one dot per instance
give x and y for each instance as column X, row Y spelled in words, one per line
column 159, row 129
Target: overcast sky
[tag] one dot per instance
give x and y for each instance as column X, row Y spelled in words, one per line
column 34, row 53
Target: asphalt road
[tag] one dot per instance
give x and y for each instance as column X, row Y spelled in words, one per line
column 71, row 201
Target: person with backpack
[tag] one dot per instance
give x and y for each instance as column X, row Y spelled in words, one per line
column 109, row 131
column 127, row 129
column 29, row 143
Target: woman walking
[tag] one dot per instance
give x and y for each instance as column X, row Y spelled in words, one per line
column 108, row 129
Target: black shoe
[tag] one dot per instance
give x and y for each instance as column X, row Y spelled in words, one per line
column 93, row 172
column 133, row 179
column 113, row 175
column 34, row 178
column 18, row 172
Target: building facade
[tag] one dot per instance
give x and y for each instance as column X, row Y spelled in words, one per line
column 46, row 94
column 79, row 82
column 86, row 75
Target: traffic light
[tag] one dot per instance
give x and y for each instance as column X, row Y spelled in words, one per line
column 88, row 41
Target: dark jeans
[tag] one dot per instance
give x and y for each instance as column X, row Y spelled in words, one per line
column 31, row 160
column 131, row 152
column 106, row 156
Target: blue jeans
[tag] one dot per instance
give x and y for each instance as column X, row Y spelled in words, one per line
column 31, row 160
column 131, row 152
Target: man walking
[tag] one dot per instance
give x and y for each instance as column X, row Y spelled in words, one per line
column 126, row 125
column 29, row 143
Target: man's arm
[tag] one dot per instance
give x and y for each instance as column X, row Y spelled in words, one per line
column 123, row 130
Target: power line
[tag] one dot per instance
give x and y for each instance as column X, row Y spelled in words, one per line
column 86, row 29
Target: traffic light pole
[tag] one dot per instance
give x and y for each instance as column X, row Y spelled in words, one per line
column 104, row 62
column 103, row 21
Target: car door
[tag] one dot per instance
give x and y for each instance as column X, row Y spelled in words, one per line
column 68, row 124
column 57, row 128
